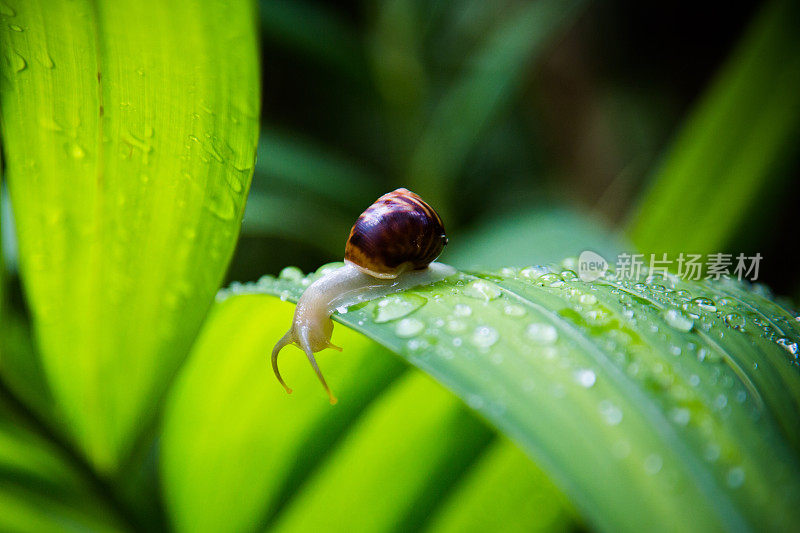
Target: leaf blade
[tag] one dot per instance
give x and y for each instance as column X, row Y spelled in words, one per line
column 598, row 397
column 128, row 193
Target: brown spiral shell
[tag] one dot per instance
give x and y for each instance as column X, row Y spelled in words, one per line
column 396, row 233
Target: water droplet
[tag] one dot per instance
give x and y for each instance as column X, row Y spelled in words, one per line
column 597, row 317
column 514, row 310
column 508, row 272
column 533, row 272
column 787, row 345
column 653, row 464
column 18, row 62
column 542, row 333
column 397, row 306
column 222, row 206
column 680, row 415
column 208, row 147
column 47, row 61
column 455, row 326
column 705, row 304
column 735, row 321
column 409, row 327
column 291, row 273
column 482, row 290
column 568, row 275
column 720, row 401
column 610, row 413
column 678, row 320
column 485, row 336
column 14, row 27
column 462, row 310
column 327, row 268
column 585, row 377
column 136, row 142
column 588, row 299
column 75, row 150
column 550, row 280
column 735, row 477
column 712, row 452
column 234, row 183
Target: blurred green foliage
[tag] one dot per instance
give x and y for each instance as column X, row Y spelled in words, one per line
column 536, row 128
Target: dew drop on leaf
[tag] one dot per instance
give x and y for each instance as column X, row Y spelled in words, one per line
column 409, row 327
column 787, row 345
column 222, row 206
column 678, row 320
column 585, row 377
column 705, row 304
column 735, row 477
column 462, row 310
column 485, row 336
column 533, row 272
column 514, row 310
column 541, row 333
column 653, row 464
column 735, row 321
column 291, row 273
column 482, row 290
column 455, row 326
column 397, row 306
column 612, row 415
column 18, row 62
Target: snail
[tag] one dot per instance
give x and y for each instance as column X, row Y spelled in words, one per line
column 391, row 247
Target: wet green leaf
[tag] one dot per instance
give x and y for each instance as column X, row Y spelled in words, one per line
column 617, row 388
column 129, row 131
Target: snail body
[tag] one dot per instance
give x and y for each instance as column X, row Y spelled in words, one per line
column 391, row 247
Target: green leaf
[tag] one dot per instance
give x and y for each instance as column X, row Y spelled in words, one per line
column 40, row 489
column 727, row 155
column 504, row 491
column 293, row 164
column 129, row 131
column 617, row 388
column 397, row 443
column 492, row 75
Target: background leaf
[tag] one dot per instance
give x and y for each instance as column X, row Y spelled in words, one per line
column 683, row 389
column 127, row 171
column 725, row 159
column 41, row 488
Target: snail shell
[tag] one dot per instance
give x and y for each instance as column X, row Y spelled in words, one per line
column 398, row 232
